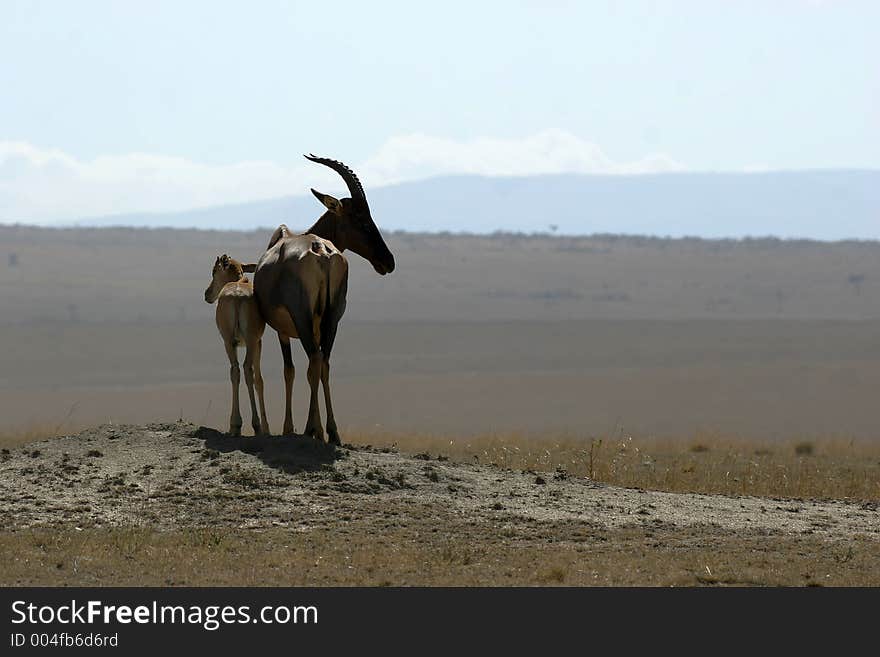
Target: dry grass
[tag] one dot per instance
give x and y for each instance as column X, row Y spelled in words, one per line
column 11, row 439
column 830, row 468
column 431, row 550
column 825, row 468
column 397, row 540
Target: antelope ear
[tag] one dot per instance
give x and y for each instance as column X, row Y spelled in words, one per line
column 249, row 269
column 329, row 202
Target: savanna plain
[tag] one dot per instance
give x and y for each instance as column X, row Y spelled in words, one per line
column 535, row 410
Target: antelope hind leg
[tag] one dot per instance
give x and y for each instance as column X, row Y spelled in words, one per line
column 332, row 433
column 258, row 384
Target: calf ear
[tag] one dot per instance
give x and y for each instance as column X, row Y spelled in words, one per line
column 329, row 202
column 281, row 231
column 249, row 269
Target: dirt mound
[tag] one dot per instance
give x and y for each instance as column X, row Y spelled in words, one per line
column 171, row 476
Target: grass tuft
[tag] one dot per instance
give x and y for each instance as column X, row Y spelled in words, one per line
column 705, row 462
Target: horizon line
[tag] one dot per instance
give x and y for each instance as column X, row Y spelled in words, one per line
column 449, row 176
column 497, row 233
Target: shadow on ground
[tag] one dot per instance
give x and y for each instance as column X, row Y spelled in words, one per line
column 290, row 454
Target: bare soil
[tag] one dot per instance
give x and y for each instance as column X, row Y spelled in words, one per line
column 761, row 339
column 769, row 381
column 181, row 504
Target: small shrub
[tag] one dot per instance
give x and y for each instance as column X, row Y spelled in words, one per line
column 804, row 448
column 554, row 575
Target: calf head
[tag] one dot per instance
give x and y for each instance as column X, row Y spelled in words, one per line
column 226, row 270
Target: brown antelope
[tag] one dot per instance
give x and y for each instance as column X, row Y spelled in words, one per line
column 240, row 324
column 301, row 282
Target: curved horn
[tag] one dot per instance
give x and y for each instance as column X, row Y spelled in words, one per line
column 351, row 180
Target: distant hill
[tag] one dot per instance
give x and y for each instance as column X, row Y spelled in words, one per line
column 823, row 205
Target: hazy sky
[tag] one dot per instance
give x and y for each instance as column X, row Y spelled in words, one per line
column 124, row 106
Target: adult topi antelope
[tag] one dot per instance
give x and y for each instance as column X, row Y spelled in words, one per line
column 240, row 324
column 301, row 282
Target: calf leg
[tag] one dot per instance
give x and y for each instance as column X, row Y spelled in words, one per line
column 235, row 378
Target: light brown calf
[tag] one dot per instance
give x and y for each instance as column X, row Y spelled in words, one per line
column 240, row 324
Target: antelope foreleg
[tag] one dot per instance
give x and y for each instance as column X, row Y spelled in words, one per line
column 289, row 373
column 313, row 426
column 332, row 433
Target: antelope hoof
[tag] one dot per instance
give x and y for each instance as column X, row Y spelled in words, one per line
column 333, row 437
column 288, row 430
column 235, row 430
column 315, row 432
